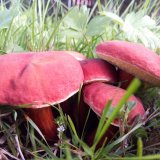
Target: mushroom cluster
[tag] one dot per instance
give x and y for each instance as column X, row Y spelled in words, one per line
column 37, row 81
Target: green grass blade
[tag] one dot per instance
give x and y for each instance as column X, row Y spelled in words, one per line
column 55, row 30
column 102, row 120
column 33, row 23
column 47, row 149
column 146, row 5
column 119, row 140
column 68, row 153
column 139, row 147
column 99, row 6
column 149, row 157
column 35, row 127
column 73, row 127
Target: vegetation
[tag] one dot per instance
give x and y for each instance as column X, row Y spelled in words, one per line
column 35, row 28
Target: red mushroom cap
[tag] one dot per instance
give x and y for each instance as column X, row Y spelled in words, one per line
column 78, row 56
column 97, row 94
column 98, row 70
column 38, row 79
column 132, row 58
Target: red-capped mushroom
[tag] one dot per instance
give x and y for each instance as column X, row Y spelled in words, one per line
column 78, row 56
column 94, row 70
column 38, row 80
column 97, row 94
column 132, row 58
column 98, row 70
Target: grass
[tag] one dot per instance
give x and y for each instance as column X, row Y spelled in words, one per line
column 79, row 29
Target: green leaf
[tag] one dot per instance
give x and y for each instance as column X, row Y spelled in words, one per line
column 97, row 25
column 76, row 18
column 6, row 17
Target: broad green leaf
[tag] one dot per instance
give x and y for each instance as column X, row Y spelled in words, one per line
column 76, row 18
column 97, row 25
column 138, row 27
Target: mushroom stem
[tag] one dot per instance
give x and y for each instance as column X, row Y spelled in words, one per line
column 44, row 119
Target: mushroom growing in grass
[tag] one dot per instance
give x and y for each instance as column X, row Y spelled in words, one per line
column 97, row 94
column 133, row 58
column 94, row 70
column 78, row 56
column 35, row 81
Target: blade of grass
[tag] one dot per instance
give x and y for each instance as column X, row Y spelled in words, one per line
column 139, row 147
column 7, row 35
column 68, row 153
column 33, row 23
column 73, row 127
column 86, row 148
column 35, row 127
column 148, row 157
column 102, row 120
column 99, row 6
column 119, row 140
column 47, row 149
column 55, row 30
column 146, row 5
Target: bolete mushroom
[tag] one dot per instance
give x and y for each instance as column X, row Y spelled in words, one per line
column 96, row 69
column 78, row 56
column 133, row 58
column 97, row 94
column 35, row 81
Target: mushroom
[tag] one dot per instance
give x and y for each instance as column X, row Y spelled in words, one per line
column 94, row 70
column 98, row 70
column 78, row 56
column 97, row 94
column 133, row 58
column 35, row 81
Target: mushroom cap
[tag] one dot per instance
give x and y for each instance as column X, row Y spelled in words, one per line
column 97, row 94
column 132, row 58
column 98, row 70
column 36, row 80
column 78, row 56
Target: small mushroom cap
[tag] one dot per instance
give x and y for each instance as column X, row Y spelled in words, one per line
column 132, row 58
column 78, row 56
column 38, row 79
column 97, row 94
column 98, row 70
